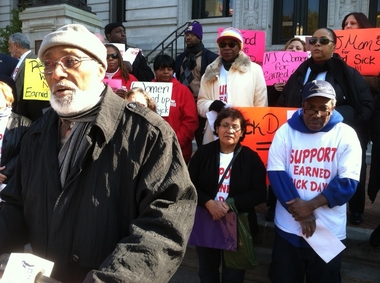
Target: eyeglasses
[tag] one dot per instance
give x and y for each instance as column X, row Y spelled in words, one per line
column 66, row 62
column 322, row 41
column 226, row 127
column 113, row 56
column 230, row 44
column 319, row 112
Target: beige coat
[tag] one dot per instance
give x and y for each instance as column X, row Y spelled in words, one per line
column 245, row 87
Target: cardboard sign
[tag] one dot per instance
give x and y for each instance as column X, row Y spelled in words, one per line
column 263, row 122
column 278, row 66
column 24, row 267
column 253, row 45
column 35, row 85
column 160, row 92
column 360, row 48
column 115, row 84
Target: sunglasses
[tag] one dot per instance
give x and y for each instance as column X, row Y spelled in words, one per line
column 322, row 41
column 230, row 44
column 113, row 56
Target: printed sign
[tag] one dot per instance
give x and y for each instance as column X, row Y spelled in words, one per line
column 278, row 66
column 160, row 92
column 35, row 85
column 360, row 48
column 263, row 122
column 253, row 45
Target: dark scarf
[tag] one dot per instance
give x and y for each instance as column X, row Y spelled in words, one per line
column 189, row 64
column 227, row 65
column 74, row 148
column 340, row 71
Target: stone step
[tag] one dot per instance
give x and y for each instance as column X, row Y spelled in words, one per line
column 361, row 262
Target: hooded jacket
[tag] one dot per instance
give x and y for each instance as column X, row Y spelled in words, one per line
column 183, row 117
column 329, row 165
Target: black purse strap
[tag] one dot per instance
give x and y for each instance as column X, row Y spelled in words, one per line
column 229, row 166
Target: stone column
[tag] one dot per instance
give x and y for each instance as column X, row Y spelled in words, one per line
column 40, row 20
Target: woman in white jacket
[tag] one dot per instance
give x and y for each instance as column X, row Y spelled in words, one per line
column 231, row 79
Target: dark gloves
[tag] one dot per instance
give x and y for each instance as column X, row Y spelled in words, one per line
column 217, row 106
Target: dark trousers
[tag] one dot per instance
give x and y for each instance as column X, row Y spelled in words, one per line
column 198, row 134
column 291, row 264
column 357, row 202
column 209, row 263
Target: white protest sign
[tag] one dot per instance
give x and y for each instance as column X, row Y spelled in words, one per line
column 160, row 92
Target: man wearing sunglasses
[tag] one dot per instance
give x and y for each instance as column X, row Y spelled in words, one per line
column 101, row 188
column 246, row 83
column 313, row 168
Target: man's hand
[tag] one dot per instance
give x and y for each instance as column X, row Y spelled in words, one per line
column 299, row 209
column 308, row 226
column 218, row 209
column 2, row 176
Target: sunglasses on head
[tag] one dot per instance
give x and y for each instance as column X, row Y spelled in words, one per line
column 322, row 41
column 230, row 44
column 113, row 56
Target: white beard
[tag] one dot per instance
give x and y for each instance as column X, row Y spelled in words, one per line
column 76, row 101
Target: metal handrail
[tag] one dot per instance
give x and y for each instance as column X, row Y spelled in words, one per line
column 164, row 47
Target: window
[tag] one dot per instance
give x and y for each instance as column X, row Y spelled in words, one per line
column 374, row 13
column 212, row 8
column 297, row 17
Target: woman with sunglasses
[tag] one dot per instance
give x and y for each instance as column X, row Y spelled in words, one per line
column 246, row 83
column 354, row 98
column 116, row 69
column 245, row 182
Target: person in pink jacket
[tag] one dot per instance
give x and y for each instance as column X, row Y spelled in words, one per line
column 183, row 117
column 232, row 79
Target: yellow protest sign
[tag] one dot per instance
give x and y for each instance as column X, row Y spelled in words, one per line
column 35, row 85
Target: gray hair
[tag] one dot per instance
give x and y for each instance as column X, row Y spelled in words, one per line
column 21, row 39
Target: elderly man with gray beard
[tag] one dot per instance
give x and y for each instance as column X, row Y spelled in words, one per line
column 101, row 188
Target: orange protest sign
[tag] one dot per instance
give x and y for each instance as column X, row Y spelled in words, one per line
column 263, row 122
column 360, row 48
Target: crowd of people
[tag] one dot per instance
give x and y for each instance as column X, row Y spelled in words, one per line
column 98, row 182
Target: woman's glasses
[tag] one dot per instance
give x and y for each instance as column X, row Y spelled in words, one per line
column 322, row 41
column 113, row 56
column 229, row 44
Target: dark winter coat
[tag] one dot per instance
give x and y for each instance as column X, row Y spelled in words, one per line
column 247, row 183
column 125, row 212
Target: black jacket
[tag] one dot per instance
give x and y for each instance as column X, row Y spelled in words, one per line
column 207, row 58
column 247, row 183
column 16, row 127
column 126, row 210
column 141, row 70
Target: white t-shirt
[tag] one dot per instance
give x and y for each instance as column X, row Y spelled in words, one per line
column 312, row 161
column 223, row 95
column 224, row 188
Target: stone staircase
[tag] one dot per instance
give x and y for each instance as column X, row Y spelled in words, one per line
column 361, row 262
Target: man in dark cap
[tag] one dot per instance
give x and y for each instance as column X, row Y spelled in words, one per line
column 313, row 168
column 115, row 33
column 191, row 65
